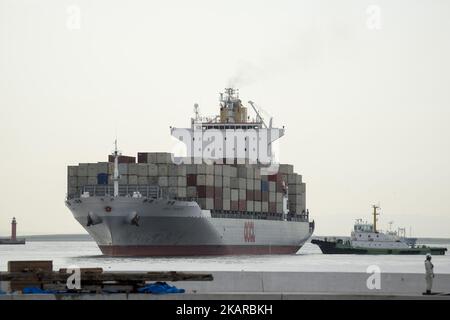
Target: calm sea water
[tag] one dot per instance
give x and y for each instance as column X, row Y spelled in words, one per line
column 309, row 258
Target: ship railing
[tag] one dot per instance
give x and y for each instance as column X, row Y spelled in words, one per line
column 150, row 191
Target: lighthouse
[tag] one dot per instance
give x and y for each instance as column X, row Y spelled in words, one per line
column 14, row 229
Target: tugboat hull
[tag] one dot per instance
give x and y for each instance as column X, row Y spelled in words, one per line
column 333, row 247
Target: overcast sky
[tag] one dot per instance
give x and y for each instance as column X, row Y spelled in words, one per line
column 363, row 88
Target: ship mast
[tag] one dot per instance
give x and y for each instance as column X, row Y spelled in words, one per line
column 116, row 155
column 375, row 214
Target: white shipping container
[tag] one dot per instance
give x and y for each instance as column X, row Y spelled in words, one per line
column 91, row 181
column 142, row 169
column 209, row 203
column 123, row 169
column 264, row 206
column 82, row 181
column 133, row 169
column 172, row 170
column 234, row 194
column 181, row 170
column 279, row 197
column 182, row 181
column 250, row 184
column 242, row 183
column 257, row 185
column 72, row 171
column 250, row 206
column 226, row 193
column 234, row 183
column 286, row 169
column 92, row 170
column 163, row 170
column 272, row 186
column 233, row 172
column 191, row 169
column 242, row 172
column 163, row 181
column 132, row 179
column 201, row 180
column 210, row 180
column 226, row 170
column 218, row 170
column 226, row 182
column 72, row 181
column 272, row 197
column 218, row 181
column 242, row 194
column 191, row 192
column 257, row 173
column 257, row 206
column 181, row 192
column 123, row 179
column 250, row 172
column 201, row 168
column 279, row 207
column 83, row 170
column 173, row 181
column 163, row 158
column 210, row 169
column 102, row 167
column 152, row 180
column 143, row 181
column 226, row 204
column 292, row 178
column 152, row 170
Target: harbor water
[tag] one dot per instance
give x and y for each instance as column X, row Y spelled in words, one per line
column 308, row 259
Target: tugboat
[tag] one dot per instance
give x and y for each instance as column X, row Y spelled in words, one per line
column 366, row 239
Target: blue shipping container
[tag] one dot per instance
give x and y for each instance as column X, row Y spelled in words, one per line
column 102, row 178
column 265, row 186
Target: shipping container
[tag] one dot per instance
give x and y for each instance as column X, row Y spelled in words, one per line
column 205, row 192
column 191, row 192
column 250, row 206
column 242, row 205
column 152, row 170
column 142, row 169
column 122, row 159
column 163, row 170
column 257, row 195
column 102, row 178
column 182, row 181
column 173, row 181
column 133, row 179
column 217, row 181
column 132, row 169
column 234, row 194
column 163, row 181
column 226, row 193
column 123, row 169
column 250, row 195
column 72, row 171
column 226, row 204
column 234, row 205
column 191, row 179
column 226, row 182
column 142, row 181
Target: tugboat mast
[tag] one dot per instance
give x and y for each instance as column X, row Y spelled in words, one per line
column 375, row 214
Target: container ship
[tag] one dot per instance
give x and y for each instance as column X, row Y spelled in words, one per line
column 225, row 195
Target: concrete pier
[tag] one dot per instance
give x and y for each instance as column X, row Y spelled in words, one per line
column 284, row 286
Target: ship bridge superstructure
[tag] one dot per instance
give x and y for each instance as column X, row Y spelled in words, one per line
column 232, row 136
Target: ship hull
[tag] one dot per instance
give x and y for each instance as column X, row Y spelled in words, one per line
column 331, row 247
column 125, row 226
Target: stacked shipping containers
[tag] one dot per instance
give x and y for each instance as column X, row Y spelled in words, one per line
column 239, row 188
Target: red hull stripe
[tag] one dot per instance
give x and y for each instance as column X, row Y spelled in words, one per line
column 195, row 250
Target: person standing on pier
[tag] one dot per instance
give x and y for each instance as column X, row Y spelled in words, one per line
column 429, row 273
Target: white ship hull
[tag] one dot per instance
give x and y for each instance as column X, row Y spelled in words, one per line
column 126, row 226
